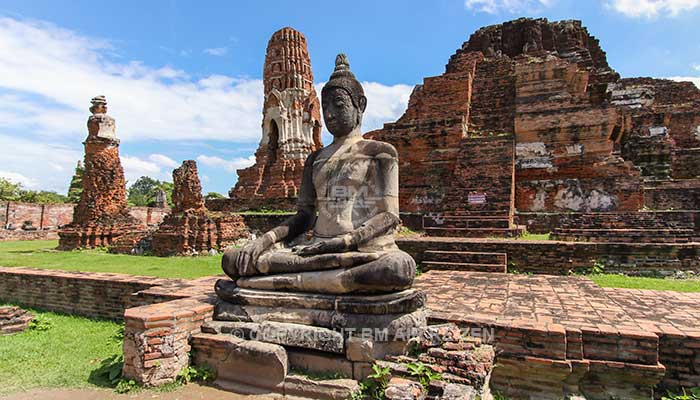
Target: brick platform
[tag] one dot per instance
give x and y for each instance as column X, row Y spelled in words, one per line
column 559, row 257
column 564, row 323
column 553, row 334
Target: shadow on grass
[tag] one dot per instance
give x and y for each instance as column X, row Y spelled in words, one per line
column 108, row 373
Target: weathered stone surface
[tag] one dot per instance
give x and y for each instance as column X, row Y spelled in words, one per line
column 404, row 389
column 303, row 336
column 102, row 214
column 316, row 362
column 331, row 389
column 286, row 334
column 359, row 349
column 382, row 327
column 451, row 391
column 291, row 127
column 247, row 361
column 404, row 301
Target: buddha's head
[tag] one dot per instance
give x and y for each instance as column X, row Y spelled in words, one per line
column 343, row 99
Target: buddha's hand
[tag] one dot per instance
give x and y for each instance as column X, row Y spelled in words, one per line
column 335, row 245
column 247, row 256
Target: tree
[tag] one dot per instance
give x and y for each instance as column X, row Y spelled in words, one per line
column 9, row 191
column 143, row 191
column 213, row 195
column 42, row 197
column 76, row 184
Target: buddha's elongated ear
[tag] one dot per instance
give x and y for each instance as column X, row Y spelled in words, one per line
column 362, row 103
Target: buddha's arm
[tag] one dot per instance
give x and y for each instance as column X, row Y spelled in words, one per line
column 242, row 261
column 385, row 218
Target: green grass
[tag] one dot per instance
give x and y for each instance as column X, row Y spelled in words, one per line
column 66, row 354
column 534, row 236
column 633, row 282
column 41, row 254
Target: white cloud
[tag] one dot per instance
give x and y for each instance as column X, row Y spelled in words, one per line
column 228, row 165
column 15, row 177
column 216, row 51
column 652, row 8
column 694, row 79
column 507, row 6
column 696, row 67
column 49, row 74
column 135, row 167
column 27, row 158
column 165, row 161
column 384, row 104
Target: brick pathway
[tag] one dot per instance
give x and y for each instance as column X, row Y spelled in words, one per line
column 574, row 302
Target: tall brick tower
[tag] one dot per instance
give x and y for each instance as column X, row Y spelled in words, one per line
column 291, row 126
column 102, row 214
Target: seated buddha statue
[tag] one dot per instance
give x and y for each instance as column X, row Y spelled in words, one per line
column 349, row 199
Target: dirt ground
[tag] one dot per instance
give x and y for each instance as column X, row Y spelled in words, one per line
column 189, row 392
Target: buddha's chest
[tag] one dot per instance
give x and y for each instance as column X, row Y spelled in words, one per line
column 342, row 178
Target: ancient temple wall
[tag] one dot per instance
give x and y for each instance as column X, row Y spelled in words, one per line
column 565, row 145
column 492, row 107
column 665, row 133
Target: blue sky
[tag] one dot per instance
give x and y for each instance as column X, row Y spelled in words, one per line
column 183, row 78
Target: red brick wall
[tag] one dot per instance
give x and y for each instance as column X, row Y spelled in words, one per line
column 556, row 257
column 98, row 295
column 42, row 216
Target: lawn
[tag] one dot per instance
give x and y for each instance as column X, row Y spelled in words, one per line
column 41, row 254
column 65, row 351
column 634, row 282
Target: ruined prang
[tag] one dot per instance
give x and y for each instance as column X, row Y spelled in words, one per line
column 291, row 127
column 102, row 215
column 189, row 229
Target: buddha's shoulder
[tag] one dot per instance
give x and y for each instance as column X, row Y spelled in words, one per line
column 376, row 148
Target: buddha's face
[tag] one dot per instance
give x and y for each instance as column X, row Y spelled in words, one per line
column 339, row 113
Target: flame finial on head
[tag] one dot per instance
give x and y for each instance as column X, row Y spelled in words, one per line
column 341, row 63
column 343, row 77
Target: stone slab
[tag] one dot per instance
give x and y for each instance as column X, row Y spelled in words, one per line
column 247, row 361
column 394, row 303
column 285, row 334
column 387, row 327
column 320, row 363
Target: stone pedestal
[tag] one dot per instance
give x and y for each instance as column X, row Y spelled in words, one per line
column 270, row 337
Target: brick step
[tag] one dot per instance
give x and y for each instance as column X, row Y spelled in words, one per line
column 476, row 213
column 631, row 233
column 475, row 232
column 640, row 220
column 459, row 266
column 469, row 257
column 465, row 222
column 627, row 235
column 624, row 239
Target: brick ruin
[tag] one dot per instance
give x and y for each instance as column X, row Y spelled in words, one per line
column 189, row 228
column 291, row 128
column 102, row 214
column 529, row 116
